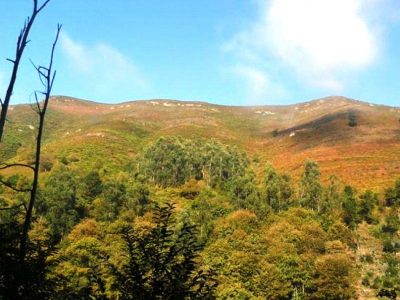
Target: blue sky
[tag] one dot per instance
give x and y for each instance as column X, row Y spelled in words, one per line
column 236, row 52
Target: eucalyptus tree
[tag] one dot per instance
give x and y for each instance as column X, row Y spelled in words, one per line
column 310, row 186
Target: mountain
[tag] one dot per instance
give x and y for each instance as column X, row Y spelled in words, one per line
column 357, row 141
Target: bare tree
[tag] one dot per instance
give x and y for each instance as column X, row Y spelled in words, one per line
column 22, row 276
column 46, row 76
column 21, row 44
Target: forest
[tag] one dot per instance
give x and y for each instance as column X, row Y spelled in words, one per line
column 188, row 219
column 97, row 203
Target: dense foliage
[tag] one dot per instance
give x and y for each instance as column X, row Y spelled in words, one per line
column 172, row 161
column 192, row 220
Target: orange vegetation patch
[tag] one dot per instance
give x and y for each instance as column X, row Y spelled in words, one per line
column 371, row 165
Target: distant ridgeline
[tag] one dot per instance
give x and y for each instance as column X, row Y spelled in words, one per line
column 357, row 141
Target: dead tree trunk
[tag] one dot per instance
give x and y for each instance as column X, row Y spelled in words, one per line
column 21, row 44
column 47, row 77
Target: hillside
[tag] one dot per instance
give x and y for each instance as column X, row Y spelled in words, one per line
column 189, row 185
column 365, row 155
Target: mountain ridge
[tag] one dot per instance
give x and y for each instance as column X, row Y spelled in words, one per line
column 365, row 154
column 326, row 98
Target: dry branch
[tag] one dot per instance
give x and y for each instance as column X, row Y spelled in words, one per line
column 47, row 78
column 22, row 41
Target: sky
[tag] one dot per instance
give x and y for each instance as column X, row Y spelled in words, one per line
column 232, row 52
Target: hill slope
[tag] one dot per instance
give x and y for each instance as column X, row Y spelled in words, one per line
column 365, row 154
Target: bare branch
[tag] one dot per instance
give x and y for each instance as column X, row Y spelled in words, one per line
column 43, row 6
column 40, row 73
column 52, row 80
column 48, row 79
column 12, row 207
column 43, row 68
column 32, row 106
column 10, row 186
column 22, row 41
column 39, row 110
column 4, row 166
column 26, row 209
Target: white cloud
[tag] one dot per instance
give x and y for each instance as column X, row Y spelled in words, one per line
column 322, row 36
column 101, row 67
column 260, row 87
column 79, row 55
column 322, row 41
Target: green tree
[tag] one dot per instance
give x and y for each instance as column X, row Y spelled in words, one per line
column 166, row 163
column 277, row 189
column 350, row 207
column 137, row 198
column 271, row 188
column 392, row 195
column 91, row 185
column 26, row 279
column 245, row 194
column 331, row 198
column 80, row 266
column 389, row 283
column 368, row 201
column 107, row 206
column 390, row 229
column 204, row 210
column 310, row 187
column 173, row 161
column 162, row 263
column 334, row 278
column 120, row 194
column 59, row 202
